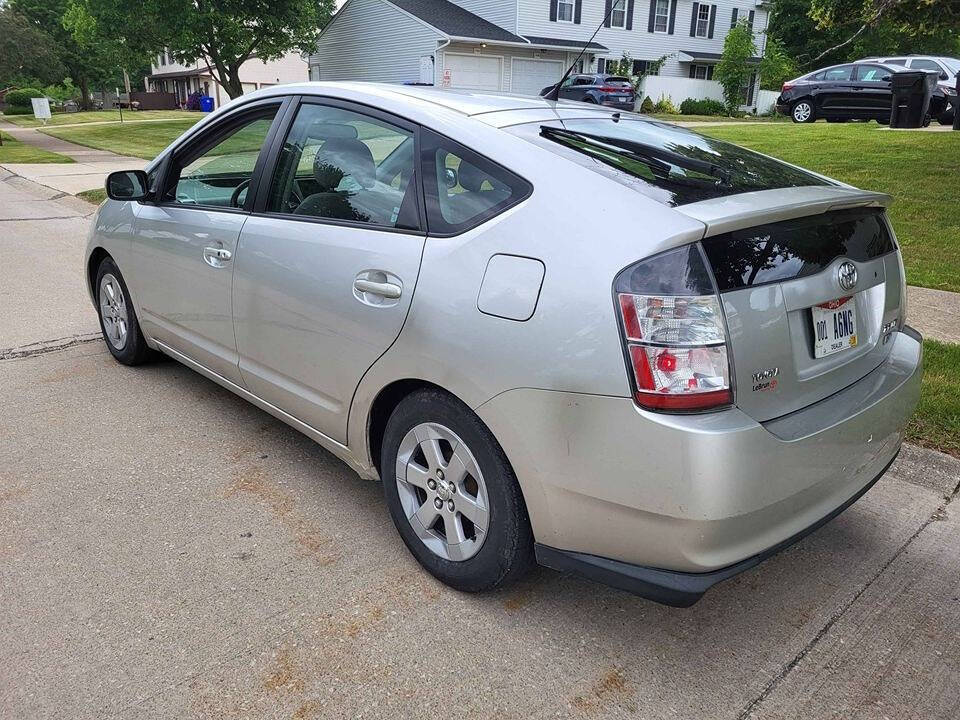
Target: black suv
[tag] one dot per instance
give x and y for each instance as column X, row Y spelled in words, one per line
column 599, row 88
column 855, row 91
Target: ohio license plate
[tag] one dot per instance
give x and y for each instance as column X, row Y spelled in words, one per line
column 834, row 327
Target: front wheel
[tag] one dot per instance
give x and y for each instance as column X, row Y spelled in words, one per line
column 118, row 319
column 802, row 112
column 452, row 494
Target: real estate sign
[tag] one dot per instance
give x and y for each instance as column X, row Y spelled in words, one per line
column 41, row 108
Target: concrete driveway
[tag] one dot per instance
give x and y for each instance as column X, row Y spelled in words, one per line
column 169, row 551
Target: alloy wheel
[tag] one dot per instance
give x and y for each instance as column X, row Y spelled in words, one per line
column 802, row 112
column 113, row 311
column 442, row 491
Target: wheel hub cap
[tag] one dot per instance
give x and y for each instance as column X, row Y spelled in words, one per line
column 113, row 311
column 442, row 491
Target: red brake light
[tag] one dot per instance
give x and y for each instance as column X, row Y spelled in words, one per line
column 673, row 330
column 786, row 86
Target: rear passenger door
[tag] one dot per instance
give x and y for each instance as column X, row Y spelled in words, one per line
column 327, row 263
column 836, row 96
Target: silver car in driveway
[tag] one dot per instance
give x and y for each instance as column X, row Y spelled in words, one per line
column 556, row 332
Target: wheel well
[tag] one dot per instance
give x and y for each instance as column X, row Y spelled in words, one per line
column 96, row 257
column 384, row 405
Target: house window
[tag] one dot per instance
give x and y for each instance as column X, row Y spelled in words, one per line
column 701, row 72
column 703, row 20
column 662, row 16
column 565, row 10
column 618, row 15
column 645, row 67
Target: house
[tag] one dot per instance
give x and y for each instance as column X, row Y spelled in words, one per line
column 167, row 75
column 521, row 46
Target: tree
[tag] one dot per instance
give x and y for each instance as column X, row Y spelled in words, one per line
column 27, row 53
column 225, row 33
column 776, row 67
column 734, row 71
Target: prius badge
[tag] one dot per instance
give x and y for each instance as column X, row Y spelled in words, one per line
column 847, row 275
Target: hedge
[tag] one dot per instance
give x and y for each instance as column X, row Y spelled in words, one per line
column 702, row 107
column 21, row 97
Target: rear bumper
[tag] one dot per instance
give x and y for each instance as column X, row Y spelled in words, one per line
column 683, row 495
column 783, row 107
column 679, row 589
column 629, row 105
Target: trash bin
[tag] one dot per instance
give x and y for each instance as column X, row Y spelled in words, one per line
column 206, row 103
column 911, row 97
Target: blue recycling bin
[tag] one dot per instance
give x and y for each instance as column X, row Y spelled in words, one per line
column 206, row 103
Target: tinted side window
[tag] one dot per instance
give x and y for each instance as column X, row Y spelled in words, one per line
column 896, row 61
column 840, row 73
column 872, row 73
column 464, row 189
column 343, row 165
column 925, row 65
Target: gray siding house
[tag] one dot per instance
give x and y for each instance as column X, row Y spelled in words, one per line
column 520, row 46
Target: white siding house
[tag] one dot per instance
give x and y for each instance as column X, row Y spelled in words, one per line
column 524, row 45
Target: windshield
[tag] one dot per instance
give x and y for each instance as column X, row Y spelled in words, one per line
column 667, row 163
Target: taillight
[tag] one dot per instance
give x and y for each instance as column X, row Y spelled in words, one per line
column 786, row 86
column 673, row 332
column 612, row 89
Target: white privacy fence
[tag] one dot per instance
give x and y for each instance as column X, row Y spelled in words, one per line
column 678, row 89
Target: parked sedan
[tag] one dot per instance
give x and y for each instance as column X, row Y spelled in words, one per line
column 598, row 88
column 947, row 69
column 658, row 393
column 854, row 91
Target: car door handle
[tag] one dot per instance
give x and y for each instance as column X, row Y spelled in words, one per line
column 384, row 289
column 216, row 256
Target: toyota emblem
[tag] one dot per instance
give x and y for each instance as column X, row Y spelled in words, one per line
column 847, row 275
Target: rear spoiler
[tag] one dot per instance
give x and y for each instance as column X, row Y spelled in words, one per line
column 735, row 212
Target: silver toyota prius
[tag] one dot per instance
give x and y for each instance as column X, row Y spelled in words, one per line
column 555, row 332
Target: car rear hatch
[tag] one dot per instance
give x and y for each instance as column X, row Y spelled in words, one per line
column 811, row 285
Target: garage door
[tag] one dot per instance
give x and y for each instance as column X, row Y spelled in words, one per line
column 471, row 72
column 531, row 76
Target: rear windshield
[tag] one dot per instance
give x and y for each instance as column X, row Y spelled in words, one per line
column 619, row 80
column 796, row 248
column 670, row 164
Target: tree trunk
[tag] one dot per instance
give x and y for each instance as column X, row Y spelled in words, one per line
column 233, row 86
column 84, row 94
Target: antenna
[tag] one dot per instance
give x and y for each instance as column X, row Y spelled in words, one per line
column 554, row 93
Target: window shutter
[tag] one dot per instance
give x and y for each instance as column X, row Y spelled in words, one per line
column 577, row 7
column 693, row 20
column 733, row 19
column 629, row 14
column 653, row 15
column 673, row 16
column 693, row 70
column 750, row 20
column 601, row 63
column 606, row 14
column 553, row 10
column 709, row 72
column 713, row 19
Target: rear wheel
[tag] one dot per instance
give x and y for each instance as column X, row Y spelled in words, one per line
column 802, row 112
column 453, row 495
column 118, row 319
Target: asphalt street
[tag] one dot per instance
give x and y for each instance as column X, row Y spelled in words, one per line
column 169, row 551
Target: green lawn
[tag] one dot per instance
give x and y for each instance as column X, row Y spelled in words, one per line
column 14, row 151
column 95, row 196
column 718, row 118
column 92, row 116
column 143, row 140
column 918, row 169
column 936, row 423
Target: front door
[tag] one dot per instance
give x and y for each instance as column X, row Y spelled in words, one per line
column 327, row 265
column 874, row 90
column 187, row 242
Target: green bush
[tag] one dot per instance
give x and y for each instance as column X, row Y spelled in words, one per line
column 702, row 107
column 665, row 106
column 21, row 97
column 647, row 105
column 13, row 110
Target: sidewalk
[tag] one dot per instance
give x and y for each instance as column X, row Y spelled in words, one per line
column 88, row 171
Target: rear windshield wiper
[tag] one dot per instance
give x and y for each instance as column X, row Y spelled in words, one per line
column 657, row 158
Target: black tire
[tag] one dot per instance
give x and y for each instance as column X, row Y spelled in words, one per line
column 797, row 114
column 506, row 552
column 134, row 350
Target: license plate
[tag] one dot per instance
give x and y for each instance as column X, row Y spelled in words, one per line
column 834, row 327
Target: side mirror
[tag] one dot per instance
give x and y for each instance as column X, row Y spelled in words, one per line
column 450, row 178
column 127, row 185
column 885, row 78
column 944, row 76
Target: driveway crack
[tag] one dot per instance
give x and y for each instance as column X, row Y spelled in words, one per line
column 46, row 346
column 748, row 709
